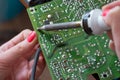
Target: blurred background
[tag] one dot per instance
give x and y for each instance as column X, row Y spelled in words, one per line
column 14, row 19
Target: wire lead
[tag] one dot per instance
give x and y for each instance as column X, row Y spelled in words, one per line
column 36, row 58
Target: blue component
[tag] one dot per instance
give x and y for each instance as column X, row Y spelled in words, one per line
column 9, row 9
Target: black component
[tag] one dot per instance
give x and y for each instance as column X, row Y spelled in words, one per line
column 47, row 22
column 36, row 2
column 95, row 75
column 85, row 24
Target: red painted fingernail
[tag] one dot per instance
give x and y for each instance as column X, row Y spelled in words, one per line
column 31, row 36
column 104, row 13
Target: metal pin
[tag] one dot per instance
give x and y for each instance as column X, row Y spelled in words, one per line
column 66, row 25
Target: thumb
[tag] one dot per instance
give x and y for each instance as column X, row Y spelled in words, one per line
column 21, row 49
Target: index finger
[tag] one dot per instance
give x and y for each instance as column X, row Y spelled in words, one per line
column 20, row 37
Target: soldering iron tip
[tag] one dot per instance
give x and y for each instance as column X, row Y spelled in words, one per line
column 41, row 28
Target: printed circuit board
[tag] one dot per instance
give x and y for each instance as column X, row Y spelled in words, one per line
column 70, row 53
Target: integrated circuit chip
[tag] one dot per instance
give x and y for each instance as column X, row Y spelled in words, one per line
column 70, row 53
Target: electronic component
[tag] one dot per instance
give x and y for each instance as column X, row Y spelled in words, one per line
column 70, row 53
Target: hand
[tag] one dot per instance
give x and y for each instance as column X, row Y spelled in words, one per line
column 15, row 57
column 113, row 20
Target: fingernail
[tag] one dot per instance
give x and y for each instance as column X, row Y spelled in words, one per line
column 31, row 36
column 104, row 13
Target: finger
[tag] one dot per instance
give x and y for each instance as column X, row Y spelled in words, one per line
column 111, row 5
column 17, row 39
column 21, row 49
column 111, row 45
column 115, row 27
column 41, row 61
column 39, row 68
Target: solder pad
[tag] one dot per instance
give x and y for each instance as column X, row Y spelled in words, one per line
column 72, row 54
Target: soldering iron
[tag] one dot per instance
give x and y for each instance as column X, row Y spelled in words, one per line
column 92, row 23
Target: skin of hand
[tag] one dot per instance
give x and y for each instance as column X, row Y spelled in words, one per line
column 113, row 20
column 15, row 57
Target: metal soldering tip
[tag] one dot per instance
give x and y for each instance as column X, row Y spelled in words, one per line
column 41, row 28
column 58, row 26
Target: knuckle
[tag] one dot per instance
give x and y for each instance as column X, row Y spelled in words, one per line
column 4, row 63
column 20, row 48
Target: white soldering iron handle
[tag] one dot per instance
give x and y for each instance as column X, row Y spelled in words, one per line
column 93, row 22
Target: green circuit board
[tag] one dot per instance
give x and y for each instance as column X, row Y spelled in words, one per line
column 70, row 53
